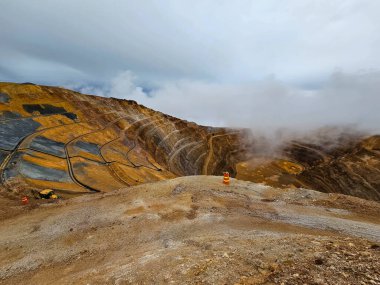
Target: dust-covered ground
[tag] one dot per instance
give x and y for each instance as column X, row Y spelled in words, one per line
column 193, row 230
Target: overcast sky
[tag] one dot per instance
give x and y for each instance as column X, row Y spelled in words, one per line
column 293, row 63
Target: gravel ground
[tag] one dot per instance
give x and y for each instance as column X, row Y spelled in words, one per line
column 194, row 230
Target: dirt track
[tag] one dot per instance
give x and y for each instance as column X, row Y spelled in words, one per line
column 194, row 230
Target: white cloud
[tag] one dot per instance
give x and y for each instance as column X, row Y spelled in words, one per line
column 225, row 41
column 219, row 62
column 124, row 84
column 265, row 106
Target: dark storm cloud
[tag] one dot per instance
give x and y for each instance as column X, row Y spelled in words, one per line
column 276, row 60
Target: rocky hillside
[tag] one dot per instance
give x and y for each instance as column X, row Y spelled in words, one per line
column 56, row 138
column 348, row 164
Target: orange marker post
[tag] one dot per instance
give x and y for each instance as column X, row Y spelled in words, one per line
column 226, row 178
column 25, row 200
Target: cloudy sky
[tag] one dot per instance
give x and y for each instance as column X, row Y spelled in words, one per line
column 266, row 64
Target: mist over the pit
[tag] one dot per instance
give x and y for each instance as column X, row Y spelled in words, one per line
column 271, row 108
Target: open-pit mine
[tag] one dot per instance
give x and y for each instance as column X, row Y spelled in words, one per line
column 141, row 198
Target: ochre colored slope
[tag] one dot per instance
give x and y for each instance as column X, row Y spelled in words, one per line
column 351, row 166
column 55, row 138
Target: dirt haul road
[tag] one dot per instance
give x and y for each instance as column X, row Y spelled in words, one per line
column 194, row 230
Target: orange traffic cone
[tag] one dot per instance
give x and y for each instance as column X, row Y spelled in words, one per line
column 226, row 178
column 25, row 200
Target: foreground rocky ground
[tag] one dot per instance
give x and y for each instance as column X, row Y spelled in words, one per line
column 192, row 230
